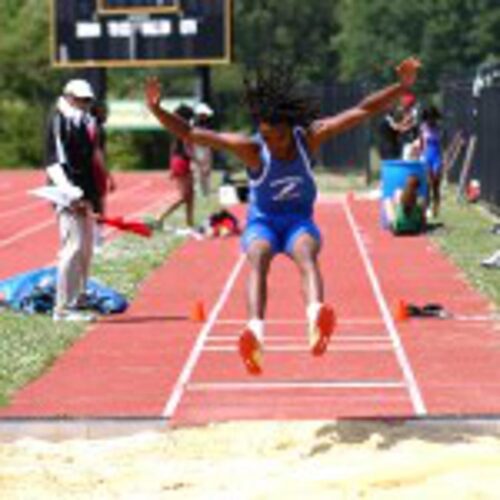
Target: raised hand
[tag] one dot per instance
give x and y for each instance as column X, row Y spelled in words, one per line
column 152, row 92
column 407, row 71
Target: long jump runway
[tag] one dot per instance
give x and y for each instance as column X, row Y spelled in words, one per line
column 154, row 362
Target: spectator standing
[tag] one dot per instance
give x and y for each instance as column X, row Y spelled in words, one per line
column 430, row 136
column 389, row 136
column 181, row 174
column 69, row 167
column 410, row 139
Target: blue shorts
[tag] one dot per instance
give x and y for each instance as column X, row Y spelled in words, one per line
column 281, row 232
column 433, row 162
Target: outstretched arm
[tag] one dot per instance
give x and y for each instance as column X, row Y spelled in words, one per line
column 238, row 144
column 325, row 128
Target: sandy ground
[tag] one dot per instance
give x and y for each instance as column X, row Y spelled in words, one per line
column 314, row 460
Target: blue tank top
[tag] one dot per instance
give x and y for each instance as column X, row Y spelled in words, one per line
column 431, row 136
column 283, row 187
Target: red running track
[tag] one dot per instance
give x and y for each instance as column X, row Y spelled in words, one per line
column 28, row 230
column 154, row 362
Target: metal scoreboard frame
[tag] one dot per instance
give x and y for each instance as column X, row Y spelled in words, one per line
column 198, row 34
column 104, row 7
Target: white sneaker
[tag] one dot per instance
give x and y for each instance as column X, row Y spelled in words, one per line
column 493, row 261
column 75, row 316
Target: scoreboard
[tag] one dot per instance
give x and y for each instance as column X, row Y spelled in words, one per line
column 135, row 33
column 134, row 6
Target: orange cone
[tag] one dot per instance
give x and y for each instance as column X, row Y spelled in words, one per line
column 198, row 312
column 350, row 197
column 401, row 310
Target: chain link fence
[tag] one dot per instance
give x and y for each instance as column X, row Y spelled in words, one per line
column 488, row 155
column 471, row 116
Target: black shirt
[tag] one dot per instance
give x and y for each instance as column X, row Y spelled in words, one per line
column 389, row 140
column 68, row 143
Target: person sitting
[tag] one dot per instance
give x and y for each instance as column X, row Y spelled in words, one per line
column 405, row 211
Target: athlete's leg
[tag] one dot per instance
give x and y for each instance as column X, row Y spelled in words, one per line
column 305, row 248
column 434, row 196
column 436, row 192
column 188, row 196
column 259, row 254
column 182, row 195
column 305, row 254
column 260, row 243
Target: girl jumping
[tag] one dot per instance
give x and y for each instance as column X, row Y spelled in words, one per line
column 282, row 188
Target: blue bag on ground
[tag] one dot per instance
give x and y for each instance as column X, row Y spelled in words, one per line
column 35, row 291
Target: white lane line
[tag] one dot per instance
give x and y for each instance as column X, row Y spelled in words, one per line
column 283, row 321
column 300, row 384
column 24, row 208
column 17, row 194
column 409, row 377
column 472, row 318
column 182, row 381
column 24, row 193
column 33, row 229
column 293, row 338
column 26, row 232
column 305, row 349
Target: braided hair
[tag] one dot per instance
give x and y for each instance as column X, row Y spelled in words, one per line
column 272, row 97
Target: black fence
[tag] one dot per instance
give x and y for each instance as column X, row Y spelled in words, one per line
column 350, row 150
column 474, row 117
column 488, row 155
column 459, row 117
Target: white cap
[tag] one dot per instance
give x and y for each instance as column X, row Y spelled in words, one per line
column 79, row 88
column 203, row 109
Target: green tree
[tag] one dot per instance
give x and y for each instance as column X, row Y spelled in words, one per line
column 375, row 34
column 295, row 30
column 26, row 80
column 486, row 31
column 356, row 39
column 450, row 36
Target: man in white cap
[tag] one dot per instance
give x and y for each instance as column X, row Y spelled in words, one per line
column 69, row 152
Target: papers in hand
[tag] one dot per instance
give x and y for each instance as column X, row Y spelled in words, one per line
column 62, row 197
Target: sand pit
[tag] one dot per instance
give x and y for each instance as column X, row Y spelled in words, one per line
column 345, row 460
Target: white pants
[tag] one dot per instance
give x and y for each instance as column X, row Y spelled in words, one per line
column 202, row 162
column 75, row 255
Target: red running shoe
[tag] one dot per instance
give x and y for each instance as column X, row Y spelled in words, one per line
column 321, row 330
column 251, row 352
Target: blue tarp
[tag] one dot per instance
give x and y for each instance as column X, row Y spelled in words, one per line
column 34, row 292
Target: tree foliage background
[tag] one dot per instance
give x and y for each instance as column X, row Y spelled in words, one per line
column 327, row 39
